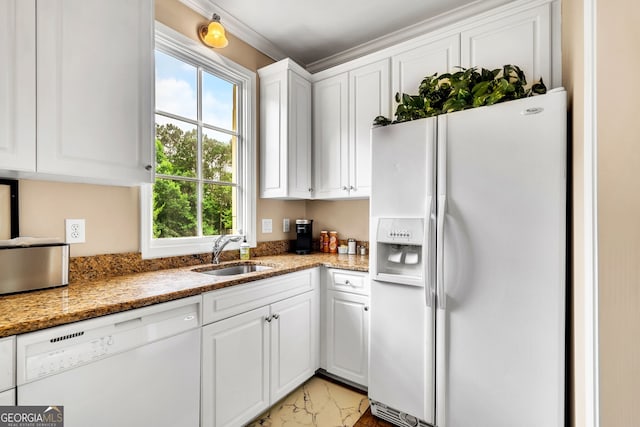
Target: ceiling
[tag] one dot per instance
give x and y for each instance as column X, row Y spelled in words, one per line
column 314, row 31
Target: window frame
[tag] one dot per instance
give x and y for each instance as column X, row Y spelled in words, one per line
column 183, row 48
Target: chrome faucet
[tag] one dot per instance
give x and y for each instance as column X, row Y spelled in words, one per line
column 219, row 244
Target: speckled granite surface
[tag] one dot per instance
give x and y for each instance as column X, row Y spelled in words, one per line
column 87, row 298
column 112, row 265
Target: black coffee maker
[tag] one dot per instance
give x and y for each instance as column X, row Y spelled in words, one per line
column 303, row 235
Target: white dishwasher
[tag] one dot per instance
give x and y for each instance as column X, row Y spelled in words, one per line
column 7, row 371
column 136, row 368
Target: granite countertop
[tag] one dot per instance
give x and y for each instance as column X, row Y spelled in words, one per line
column 30, row 311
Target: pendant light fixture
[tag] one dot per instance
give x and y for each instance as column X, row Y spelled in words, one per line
column 213, row 35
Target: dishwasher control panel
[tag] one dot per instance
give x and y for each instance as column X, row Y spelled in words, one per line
column 52, row 362
column 50, row 351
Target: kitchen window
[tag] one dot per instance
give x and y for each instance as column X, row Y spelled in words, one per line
column 204, row 150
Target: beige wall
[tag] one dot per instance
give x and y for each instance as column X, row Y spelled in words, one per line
column 619, row 210
column 572, row 73
column 348, row 218
column 112, row 214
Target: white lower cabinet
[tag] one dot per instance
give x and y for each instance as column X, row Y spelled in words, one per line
column 294, row 343
column 235, row 369
column 345, row 344
column 253, row 359
column 348, row 336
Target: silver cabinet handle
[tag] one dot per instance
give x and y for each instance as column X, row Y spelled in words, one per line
column 345, row 188
column 366, row 308
column 148, row 167
column 352, row 188
column 268, row 319
column 276, row 316
column 310, row 190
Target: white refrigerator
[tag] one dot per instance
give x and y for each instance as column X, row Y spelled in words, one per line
column 468, row 267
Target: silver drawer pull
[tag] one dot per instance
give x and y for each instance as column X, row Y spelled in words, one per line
column 268, row 319
column 348, row 283
column 276, row 316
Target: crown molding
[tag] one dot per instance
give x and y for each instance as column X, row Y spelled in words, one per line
column 206, row 8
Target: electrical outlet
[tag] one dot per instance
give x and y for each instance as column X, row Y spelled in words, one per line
column 74, row 229
column 285, row 225
column 267, row 225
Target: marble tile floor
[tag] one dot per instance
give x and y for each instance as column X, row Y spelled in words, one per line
column 320, row 403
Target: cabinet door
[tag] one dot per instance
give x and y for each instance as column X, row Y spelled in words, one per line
column 411, row 66
column 95, row 86
column 369, row 97
column 235, row 369
column 294, row 343
column 17, row 85
column 522, row 39
column 348, row 336
column 273, row 136
column 299, row 137
column 331, row 137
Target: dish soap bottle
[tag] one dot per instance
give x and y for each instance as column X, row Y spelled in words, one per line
column 245, row 250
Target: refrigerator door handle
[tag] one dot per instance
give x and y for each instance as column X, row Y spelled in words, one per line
column 441, row 297
column 430, row 291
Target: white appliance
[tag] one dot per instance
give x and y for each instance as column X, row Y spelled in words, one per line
column 467, row 267
column 135, row 368
column 7, row 371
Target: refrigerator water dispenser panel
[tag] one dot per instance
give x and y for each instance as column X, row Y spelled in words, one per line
column 399, row 251
column 402, row 231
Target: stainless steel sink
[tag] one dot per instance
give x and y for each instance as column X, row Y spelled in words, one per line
column 234, row 270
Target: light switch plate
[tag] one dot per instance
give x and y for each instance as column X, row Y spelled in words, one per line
column 285, row 225
column 267, row 225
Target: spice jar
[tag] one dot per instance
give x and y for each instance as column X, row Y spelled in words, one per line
column 324, row 241
column 333, row 242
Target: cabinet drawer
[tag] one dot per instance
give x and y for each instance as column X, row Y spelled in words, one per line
column 348, row 281
column 238, row 299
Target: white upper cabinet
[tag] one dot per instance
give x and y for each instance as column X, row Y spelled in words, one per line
column 94, row 89
column 17, row 85
column 522, row 38
column 349, row 96
column 344, row 108
column 331, row 150
column 427, row 58
column 368, row 98
column 90, row 63
column 285, row 131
